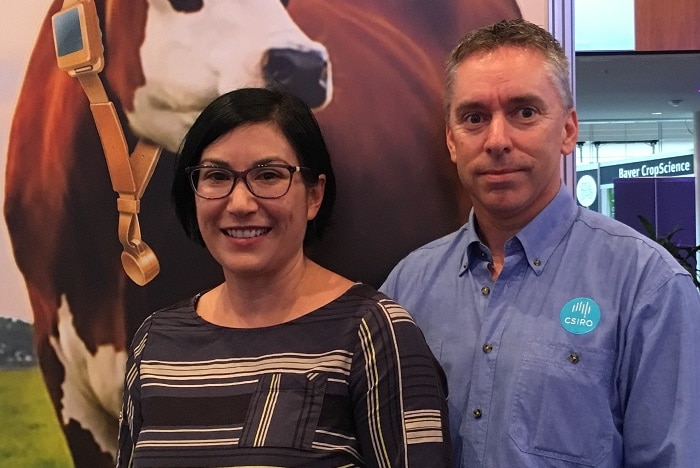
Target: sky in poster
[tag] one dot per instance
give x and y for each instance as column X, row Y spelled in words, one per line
column 19, row 24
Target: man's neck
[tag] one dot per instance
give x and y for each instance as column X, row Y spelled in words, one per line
column 494, row 234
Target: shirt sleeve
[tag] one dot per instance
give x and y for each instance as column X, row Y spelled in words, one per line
column 130, row 420
column 660, row 378
column 389, row 285
column 392, row 283
column 399, row 393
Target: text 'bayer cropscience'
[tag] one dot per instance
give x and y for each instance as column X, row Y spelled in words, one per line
column 663, row 168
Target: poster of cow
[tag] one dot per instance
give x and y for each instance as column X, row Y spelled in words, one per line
column 371, row 69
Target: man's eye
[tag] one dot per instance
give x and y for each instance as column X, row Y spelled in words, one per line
column 527, row 112
column 473, row 118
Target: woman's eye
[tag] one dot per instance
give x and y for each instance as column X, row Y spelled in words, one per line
column 216, row 176
column 269, row 174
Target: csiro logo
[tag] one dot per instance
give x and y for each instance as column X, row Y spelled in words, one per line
column 580, row 315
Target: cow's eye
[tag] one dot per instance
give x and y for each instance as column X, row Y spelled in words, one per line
column 187, row 6
column 285, row 3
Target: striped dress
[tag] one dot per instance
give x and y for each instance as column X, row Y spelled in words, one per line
column 351, row 384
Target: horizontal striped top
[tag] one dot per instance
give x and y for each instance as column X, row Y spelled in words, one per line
column 352, row 384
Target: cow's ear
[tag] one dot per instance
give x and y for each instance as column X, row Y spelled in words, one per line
column 187, row 6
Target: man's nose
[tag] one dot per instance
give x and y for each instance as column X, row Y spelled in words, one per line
column 498, row 137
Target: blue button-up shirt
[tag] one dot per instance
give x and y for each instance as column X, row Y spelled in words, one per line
column 584, row 352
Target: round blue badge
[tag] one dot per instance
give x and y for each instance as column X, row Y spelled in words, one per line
column 580, row 315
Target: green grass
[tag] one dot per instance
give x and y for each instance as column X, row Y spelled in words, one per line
column 30, row 433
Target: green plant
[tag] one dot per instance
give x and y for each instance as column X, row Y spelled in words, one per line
column 30, row 433
column 685, row 254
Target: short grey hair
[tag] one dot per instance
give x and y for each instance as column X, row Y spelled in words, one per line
column 517, row 33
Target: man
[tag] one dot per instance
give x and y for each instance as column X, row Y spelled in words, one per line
column 568, row 339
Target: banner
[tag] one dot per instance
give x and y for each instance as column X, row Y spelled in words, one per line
column 164, row 61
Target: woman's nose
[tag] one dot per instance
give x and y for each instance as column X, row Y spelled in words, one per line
column 241, row 200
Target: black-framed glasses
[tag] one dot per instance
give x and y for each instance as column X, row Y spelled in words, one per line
column 264, row 181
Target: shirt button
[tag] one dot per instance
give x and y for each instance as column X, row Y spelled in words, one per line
column 537, row 262
column 485, row 290
column 574, row 358
column 477, row 414
column 487, row 348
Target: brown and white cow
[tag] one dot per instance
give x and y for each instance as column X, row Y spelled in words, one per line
column 379, row 106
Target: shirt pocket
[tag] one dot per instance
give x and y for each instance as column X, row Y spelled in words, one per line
column 561, row 404
column 284, row 411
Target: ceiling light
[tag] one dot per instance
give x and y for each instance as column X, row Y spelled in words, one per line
column 656, row 113
column 675, row 102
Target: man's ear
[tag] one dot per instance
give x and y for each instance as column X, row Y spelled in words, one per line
column 449, row 137
column 569, row 133
column 314, row 197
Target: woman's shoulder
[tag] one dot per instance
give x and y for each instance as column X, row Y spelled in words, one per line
column 181, row 312
column 361, row 293
column 362, row 300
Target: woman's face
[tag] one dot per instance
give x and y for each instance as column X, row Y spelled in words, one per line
column 252, row 236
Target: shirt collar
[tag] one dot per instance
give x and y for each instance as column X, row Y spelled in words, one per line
column 472, row 242
column 539, row 238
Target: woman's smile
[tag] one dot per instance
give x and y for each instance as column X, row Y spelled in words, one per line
column 246, row 233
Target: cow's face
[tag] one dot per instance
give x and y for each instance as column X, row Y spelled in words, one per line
column 194, row 51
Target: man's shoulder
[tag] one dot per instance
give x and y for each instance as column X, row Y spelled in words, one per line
column 609, row 227
column 446, row 244
column 612, row 237
column 438, row 252
column 427, row 262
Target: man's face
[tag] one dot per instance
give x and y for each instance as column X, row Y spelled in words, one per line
column 506, row 133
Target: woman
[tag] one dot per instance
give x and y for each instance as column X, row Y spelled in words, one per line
column 285, row 363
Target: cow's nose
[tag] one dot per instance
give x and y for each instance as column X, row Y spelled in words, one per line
column 304, row 73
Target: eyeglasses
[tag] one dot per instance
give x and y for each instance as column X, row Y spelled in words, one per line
column 266, row 181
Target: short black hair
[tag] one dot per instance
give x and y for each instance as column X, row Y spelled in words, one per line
column 255, row 105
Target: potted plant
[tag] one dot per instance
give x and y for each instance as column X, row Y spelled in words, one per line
column 685, row 254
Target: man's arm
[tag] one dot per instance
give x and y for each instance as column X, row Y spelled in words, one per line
column 659, row 384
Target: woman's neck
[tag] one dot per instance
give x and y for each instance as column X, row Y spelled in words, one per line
column 253, row 302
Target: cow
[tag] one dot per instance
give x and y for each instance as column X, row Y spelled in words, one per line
column 371, row 69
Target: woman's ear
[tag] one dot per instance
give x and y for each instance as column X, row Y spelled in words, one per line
column 314, row 197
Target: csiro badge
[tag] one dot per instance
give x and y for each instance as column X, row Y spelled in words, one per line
column 580, row 315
